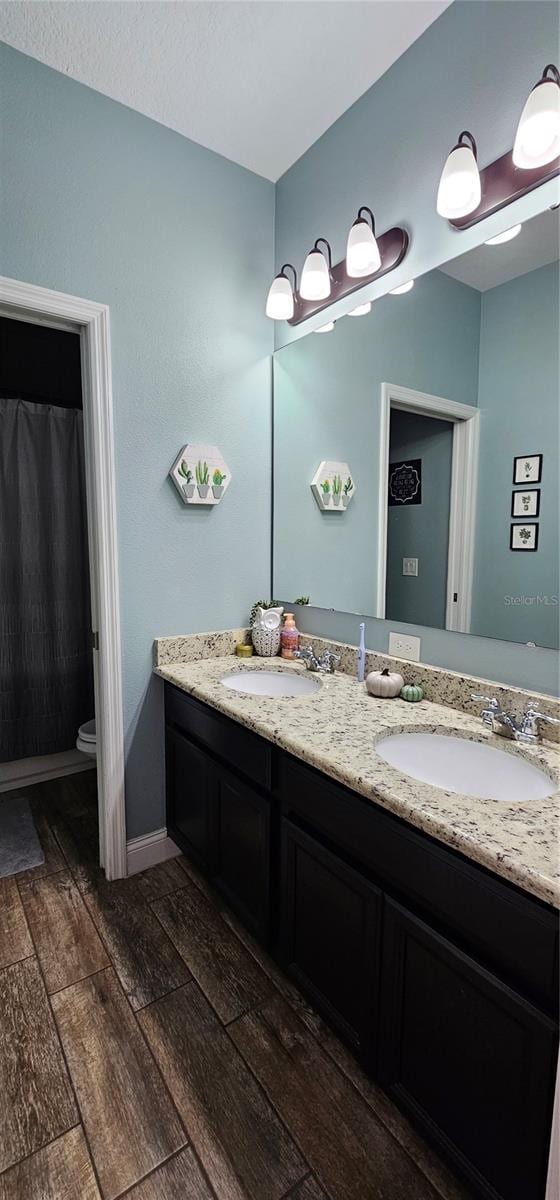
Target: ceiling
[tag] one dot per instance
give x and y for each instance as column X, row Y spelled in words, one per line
column 255, row 80
column 488, row 266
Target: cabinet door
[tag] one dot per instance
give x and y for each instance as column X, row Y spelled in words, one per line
column 242, row 868
column 467, row 1057
column 329, row 935
column 189, row 798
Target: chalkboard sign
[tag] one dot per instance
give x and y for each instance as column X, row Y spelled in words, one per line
column 405, row 482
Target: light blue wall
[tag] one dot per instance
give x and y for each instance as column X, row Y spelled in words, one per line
column 420, row 530
column 327, row 392
column 472, row 69
column 519, row 402
column 100, row 202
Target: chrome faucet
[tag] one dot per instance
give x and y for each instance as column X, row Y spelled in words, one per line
column 527, row 730
column 324, row 665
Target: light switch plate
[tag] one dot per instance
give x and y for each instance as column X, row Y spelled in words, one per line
column 403, row 645
column 410, row 566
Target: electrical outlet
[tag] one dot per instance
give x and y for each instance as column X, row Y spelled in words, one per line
column 410, row 566
column 403, row 645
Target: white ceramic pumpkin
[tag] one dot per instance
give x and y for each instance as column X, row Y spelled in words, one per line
column 384, row 684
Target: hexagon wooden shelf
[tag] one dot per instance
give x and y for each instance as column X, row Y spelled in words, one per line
column 333, row 486
column 200, row 474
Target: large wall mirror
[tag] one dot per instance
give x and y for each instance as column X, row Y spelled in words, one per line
column 416, row 450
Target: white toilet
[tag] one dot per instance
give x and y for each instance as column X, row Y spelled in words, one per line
column 86, row 740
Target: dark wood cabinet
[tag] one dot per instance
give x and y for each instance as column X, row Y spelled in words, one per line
column 442, row 977
column 189, row 787
column 470, row 1060
column 330, row 922
column 242, row 859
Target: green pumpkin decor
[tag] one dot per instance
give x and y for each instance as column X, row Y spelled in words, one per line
column 411, row 692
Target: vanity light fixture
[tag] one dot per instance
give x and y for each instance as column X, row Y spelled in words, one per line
column 316, row 274
column 459, row 189
column 507, row 236
column 404, row 287
column 328, row 328
column 537, row 141
column 280, row 303
column 362, row 251
column 323, row 283
column 467, row 195
column 360, row 310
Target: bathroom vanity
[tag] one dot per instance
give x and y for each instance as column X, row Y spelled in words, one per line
column 391, row 908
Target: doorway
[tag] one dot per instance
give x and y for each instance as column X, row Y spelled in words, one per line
column 464, row 420
column 90, row 322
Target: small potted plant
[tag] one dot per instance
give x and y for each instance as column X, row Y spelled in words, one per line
column 326, row 490
column 302, row 600
column 202, row 479
column 217, row 484
column 337, row 490
column 188, row 485
column 347, row 492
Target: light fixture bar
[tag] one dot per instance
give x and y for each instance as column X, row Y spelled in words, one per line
column 393, row 246
column 501, row 183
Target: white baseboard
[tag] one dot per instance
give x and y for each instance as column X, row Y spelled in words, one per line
column 24, row 772
column 149, row 849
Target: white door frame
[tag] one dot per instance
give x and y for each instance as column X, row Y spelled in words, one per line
column 29, row 302
column 462, row 509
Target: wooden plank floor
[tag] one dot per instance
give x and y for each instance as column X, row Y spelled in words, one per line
column 150, row 1049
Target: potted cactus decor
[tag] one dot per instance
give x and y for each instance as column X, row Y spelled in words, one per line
column 202, row 479
column 217, row 484
column 331, row 493
column 204, row 483
column 188, row 485
column 347, row 491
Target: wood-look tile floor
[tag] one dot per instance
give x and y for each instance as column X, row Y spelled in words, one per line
column 150, row 1049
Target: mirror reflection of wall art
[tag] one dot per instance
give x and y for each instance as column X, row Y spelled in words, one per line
column 333, row 486
column 524, row 537
column 527, row 468
column 200, row 474
column 405, row 482
column 526, row 503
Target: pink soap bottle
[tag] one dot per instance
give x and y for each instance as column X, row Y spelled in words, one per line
column 289, row 638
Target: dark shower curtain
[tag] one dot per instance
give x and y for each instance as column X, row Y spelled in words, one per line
column 46, row 672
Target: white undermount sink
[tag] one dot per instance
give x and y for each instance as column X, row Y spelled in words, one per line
column 470, row 768
column 272, row 683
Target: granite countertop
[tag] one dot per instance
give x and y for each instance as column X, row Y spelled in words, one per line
column 335, row 730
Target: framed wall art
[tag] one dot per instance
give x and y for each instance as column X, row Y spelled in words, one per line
column 527, row 468
column 524, row 537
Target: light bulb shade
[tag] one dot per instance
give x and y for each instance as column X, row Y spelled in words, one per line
column 507, row 236
column 280, row 299
column 315, row 277
column 403, row 288
column 537, row 140
column 328, row 328
column 459, row 189
column 362, row 251
column 361, row 309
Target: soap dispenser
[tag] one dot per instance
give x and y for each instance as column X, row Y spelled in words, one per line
column 289, row 640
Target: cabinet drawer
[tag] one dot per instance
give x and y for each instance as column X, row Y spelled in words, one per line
column 329, row 935
column 235, row 746
column 505, row 928
column 469, row 1059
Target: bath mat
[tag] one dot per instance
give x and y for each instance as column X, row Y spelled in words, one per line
column 19, row 845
